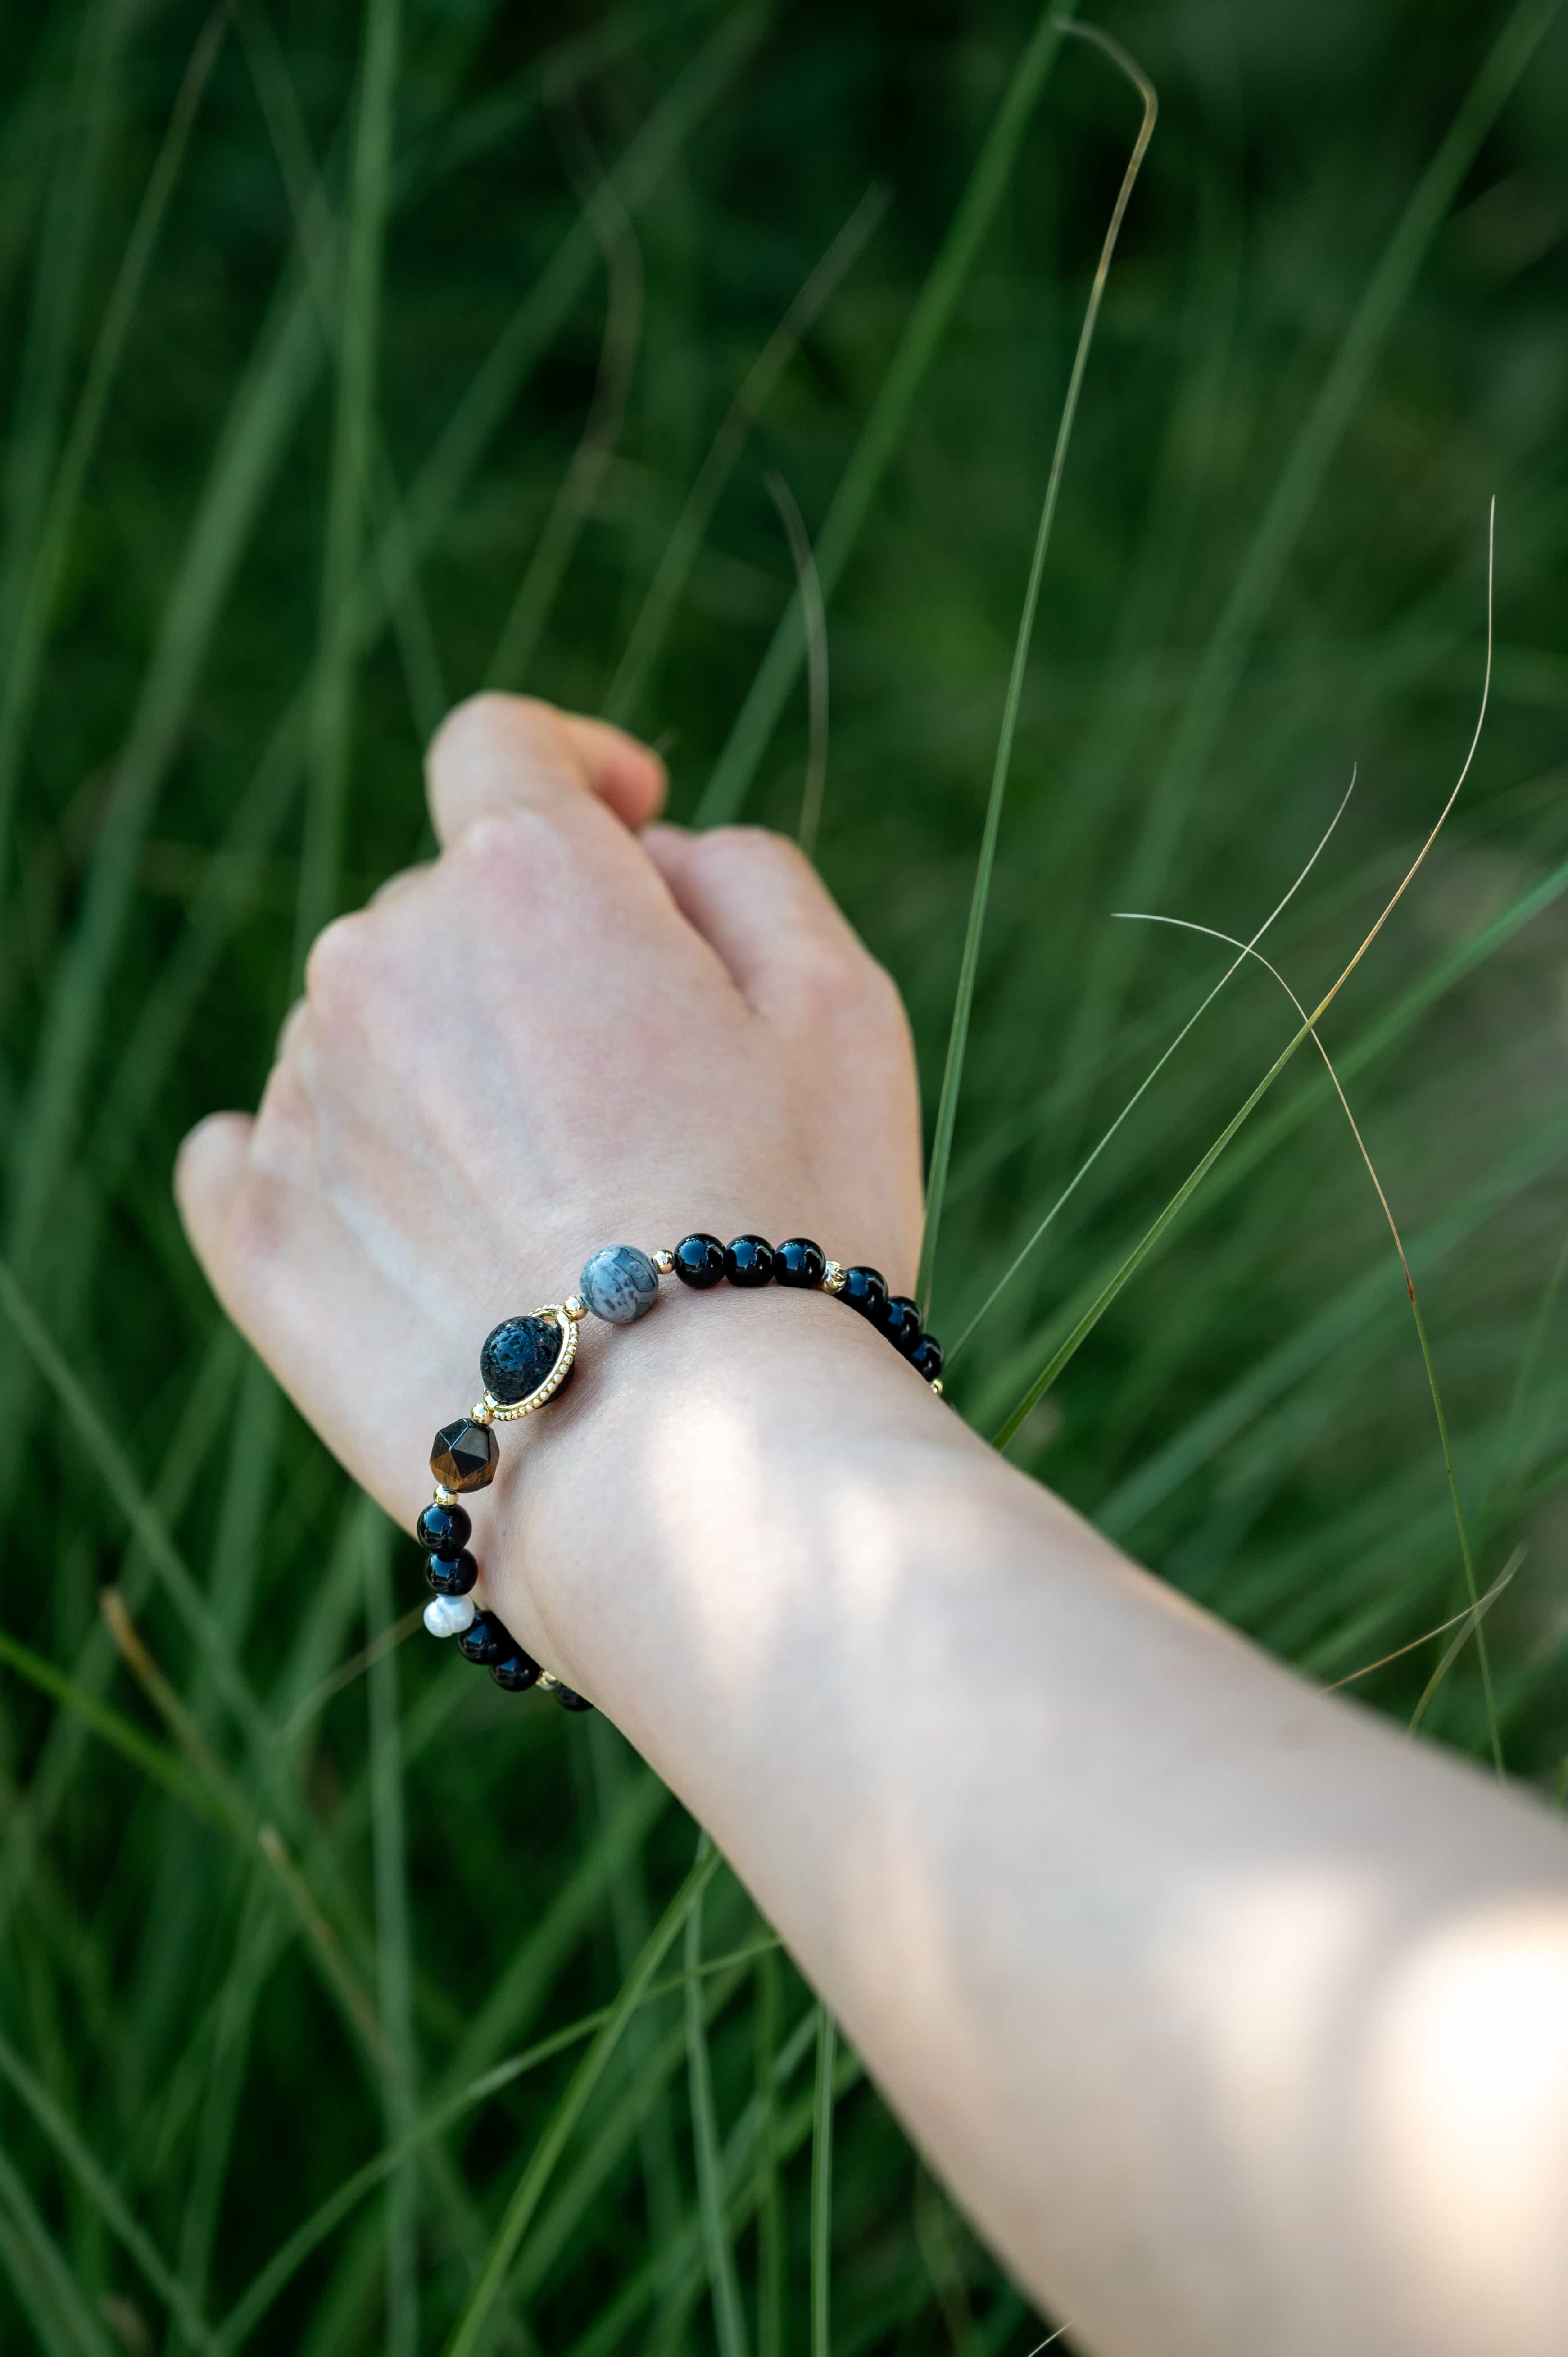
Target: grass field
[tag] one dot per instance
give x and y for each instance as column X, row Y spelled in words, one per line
column 352, row 361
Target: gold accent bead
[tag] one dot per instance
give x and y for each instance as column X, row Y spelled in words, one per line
column 483, row 1411
column 547, row 1682
column 445, row 1497
column 833, row 1277
column 664, row 1262
column 937, row 1385
column 575, row 1307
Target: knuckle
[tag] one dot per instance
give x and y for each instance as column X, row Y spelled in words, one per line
column 510, row 855
column 342, row 963
column 752, row 846
column 491, row 724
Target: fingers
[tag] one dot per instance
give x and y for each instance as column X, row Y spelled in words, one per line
column 506, row 752
column 761, row 904
column 403, row 881
column 209, row 1175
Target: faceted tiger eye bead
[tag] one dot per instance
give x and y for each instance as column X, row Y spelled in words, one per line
column 865, row 1289
column 442, row 1530
column 485, row 1640
column 800, row 1262
column 926, row 1358
column 451, row 1575
column 570, row 1701
column 699, row 1260
column 463, row 1456
column 515, row 1670
column 749, row 1262
column 900, row 1322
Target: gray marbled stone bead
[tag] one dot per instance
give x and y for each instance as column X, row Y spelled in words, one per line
column 621, row 1284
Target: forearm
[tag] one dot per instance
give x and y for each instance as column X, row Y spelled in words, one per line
column 1182, row 1972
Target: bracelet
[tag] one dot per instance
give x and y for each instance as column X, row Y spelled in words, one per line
column 527, row 1362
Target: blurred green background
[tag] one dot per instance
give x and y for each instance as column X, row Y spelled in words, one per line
column 352, row 362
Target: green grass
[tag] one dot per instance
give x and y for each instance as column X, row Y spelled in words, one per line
column 358, row 356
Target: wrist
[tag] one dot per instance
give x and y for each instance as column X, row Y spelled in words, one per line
column 662, row 1491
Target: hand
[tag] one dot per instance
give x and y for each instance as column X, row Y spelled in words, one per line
column 560, row 1034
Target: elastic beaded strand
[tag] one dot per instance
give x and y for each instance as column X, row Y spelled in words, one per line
column 619, row 1284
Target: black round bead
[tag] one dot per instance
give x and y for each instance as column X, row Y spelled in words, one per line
column 442, row 1530
column 865, row 1289
column 749, row 1262
column 900, row 1322
column 926, row 1358
column 570, row 1701
column 485, row 1640
column 451, row 1575
column 515, row 1670
column 799, row 1261
column 699, row 1260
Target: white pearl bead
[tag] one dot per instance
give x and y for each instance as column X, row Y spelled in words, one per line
column 445, row 1615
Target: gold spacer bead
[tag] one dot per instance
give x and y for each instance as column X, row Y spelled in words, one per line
column 664, row 1262
column 483, row 1411
column 547, row 1682
column 575, row 1307
column 833, row 1277
column 937, row 1385
column 445, row 1497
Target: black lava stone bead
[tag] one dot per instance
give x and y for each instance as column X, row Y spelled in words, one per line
column 442, row 1530
column 699, row 1260
column 451, row 1575
column 749, row 1262
column 900, row 1322
column 515, row 1670
column 570, row 1701
column 799, row 1261
column 926, row 1358
column 865, row 1289
column 485, row 1640
column 517, row 1357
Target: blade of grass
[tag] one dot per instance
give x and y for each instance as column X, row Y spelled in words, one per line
column 631, row 1919
column 45, row 2287
column 729, row 2322
column 74, row 2156
column 472, row 2325
column 823, row 2185
column 923, row 332
column 332, row 695
column 1297, row 486
column 1466, row 1552
column 394, row 1964
column 1478, row 1607
column 771, row 2222
column 645, row 638
column 608, row 2333
column 1466, row 1612
column 809, row 589
column 1038, row 1236
column 46, row 559
column 1152, row 1235
column 286, row 2261
column 512, row 662
column 114, row 1729
column 964, row 1001
column 81, row 140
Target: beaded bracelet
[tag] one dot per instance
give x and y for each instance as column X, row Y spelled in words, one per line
column 527, row 1362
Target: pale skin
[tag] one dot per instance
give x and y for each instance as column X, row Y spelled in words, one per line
column 1238, row 2024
